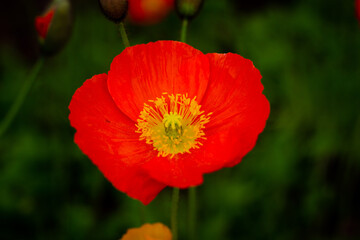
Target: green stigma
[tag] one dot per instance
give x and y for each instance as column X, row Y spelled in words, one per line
column 172, row 124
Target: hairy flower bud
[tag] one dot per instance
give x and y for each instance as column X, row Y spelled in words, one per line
column 188, row 9
column 54, row 27
column 115, row 10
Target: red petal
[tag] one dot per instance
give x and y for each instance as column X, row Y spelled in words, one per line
column 42, row 23
column 234, row 89
column 238, row 105
column 143, row 72
column 180, row 171
column 240, row 111
column 108, row 137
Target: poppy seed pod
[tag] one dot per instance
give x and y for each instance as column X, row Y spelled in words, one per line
column 54, row 27
column 188, row 9
column 115, row 10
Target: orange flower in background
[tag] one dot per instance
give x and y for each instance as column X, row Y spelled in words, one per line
column 166, row 114
column 156, row 231
column 42, row 23
column 149, row 11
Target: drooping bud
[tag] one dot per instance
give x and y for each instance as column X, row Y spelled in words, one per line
column 115, row 10
column 54, row 27
column 188, row 9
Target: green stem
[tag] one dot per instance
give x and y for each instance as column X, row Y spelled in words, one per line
column 124, row 35
column 184, row 30
column 192, row 192
column 174, row 210
column 192, row 212
column 6, row 122
column 142, row 213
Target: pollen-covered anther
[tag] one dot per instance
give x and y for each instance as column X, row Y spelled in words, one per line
column 173, row 124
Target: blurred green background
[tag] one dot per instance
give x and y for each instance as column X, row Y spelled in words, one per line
column 301, row 181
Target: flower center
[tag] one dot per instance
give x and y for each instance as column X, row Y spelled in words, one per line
column 172, row 124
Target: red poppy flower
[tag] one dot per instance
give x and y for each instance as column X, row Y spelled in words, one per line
column 165, row 114
column 149, row 11
column 42, row 23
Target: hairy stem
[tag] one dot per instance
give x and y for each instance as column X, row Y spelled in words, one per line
column 124, row 35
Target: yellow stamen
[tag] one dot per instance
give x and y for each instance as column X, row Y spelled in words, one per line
column 172, row 124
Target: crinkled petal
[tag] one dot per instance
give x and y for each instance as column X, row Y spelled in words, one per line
column 240, row 111
column 143, row 72
column 180, row 171
column 234, row 89
column 108, row 138
column 235, row 97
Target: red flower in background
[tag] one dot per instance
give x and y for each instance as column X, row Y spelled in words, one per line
column 149, row 11
column 165, row 114
column 42, row 23
column 357, row 9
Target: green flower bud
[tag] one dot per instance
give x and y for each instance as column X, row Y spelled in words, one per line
column 188, row 9
column 115, row 10
column 54, row 27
